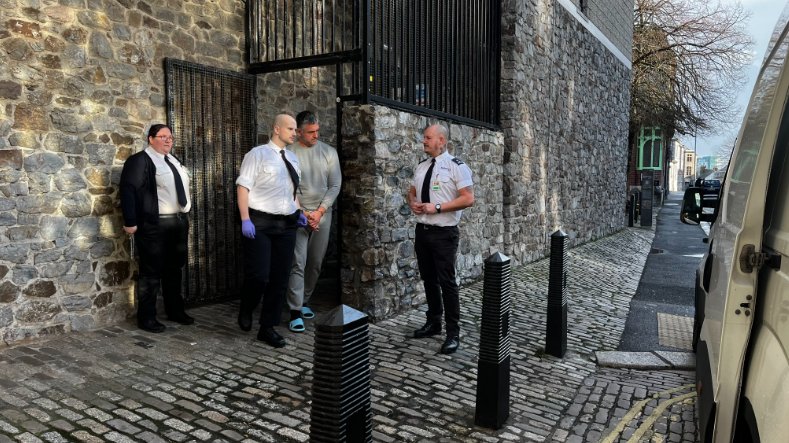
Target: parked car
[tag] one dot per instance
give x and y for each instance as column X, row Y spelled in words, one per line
column 741, row 325
column 711, row 187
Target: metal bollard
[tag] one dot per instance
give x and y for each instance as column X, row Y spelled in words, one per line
column 638, row 207
column 556, row 324
column 631, row 211
column 341, row 408
column 493, row 369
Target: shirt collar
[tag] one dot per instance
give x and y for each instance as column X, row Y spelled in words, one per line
column 152, row 151
column 274, row 147
column 444, row 156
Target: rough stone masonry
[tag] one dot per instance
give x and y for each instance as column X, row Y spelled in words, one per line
column 80, row 79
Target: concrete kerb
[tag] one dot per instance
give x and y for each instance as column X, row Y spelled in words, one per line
column 656, row 360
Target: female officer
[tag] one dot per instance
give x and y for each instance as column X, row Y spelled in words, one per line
column 155, row 201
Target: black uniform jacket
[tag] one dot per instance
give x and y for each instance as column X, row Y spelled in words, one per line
column 139, row 200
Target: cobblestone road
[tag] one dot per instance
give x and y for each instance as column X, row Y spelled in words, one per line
column 212, row 382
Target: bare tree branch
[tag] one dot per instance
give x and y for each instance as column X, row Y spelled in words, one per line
column 689, row 60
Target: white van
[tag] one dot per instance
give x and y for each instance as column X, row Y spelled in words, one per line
column 741, row 333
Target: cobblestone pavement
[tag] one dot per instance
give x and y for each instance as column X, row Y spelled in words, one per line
column 212, row 382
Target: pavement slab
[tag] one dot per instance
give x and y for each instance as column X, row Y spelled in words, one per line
column 212, row 382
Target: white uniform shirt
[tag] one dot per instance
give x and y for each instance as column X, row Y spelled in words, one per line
column 265, row 175
column 449, row 177
column 165, row 183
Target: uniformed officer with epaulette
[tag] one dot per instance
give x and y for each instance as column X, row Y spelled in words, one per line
column 441, row 189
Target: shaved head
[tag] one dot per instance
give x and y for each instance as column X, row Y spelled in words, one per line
column 282, row 119
column 441, row 131
column 284, row 130
column 435, row 140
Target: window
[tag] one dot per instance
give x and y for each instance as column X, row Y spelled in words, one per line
column 650, row 147
column 689, row 170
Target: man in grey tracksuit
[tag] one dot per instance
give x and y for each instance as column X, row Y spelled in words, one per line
column 320, row 186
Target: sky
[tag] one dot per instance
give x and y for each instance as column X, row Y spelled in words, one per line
column 763, row 19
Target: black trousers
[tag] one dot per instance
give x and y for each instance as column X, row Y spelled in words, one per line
column 162, row 248
column 436, row 248
column 267, row 262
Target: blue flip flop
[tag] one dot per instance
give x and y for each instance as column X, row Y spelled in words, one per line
column 307, row 312
column 296, row 325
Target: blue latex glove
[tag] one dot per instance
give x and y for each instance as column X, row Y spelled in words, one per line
column 248, row 229
column 302, row 221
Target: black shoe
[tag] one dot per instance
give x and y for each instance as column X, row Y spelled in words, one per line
column 151, row 326
column 181, row 318
column 270, row 336
column 451, row 344
column 428, row 330
column 245, row 320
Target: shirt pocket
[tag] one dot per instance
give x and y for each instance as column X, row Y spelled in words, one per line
column 445, row 180
column 163, row 170
column 269, row 169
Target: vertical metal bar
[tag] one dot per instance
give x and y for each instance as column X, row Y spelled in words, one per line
column 462, row 58
column 344, row 31
column 452, row 106
column 391, row 72
column 422, row 49
column 477, row 61
column 366, row 51
column 285, row 29
column 397, row 34
column 429, row 54
column 333, row 27
column 341, row 158
column 323, row 26
column 303, row 29
column 276, row 31
column 497, row 72
column 293, row 19
column 314, row 21
column 262, row 43
column 411, row 66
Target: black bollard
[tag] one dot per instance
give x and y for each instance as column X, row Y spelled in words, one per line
column 638, row 207
column 631, row 211
column 341, row 409
column 493, row 369
column 556, row 328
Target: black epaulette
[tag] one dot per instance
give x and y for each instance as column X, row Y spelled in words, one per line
column 458, row 161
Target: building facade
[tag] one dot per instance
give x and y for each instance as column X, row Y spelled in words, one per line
column 676, row 170
column 81, row 79
column 651, row 151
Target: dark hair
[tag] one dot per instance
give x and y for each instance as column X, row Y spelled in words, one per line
column 154, row 131
column 306, row 118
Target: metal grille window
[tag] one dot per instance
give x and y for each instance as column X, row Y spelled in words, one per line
column 213, row 115
column 435, row 57
column 650, row 142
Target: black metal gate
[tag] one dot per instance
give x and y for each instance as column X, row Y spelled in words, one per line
column 213, row 115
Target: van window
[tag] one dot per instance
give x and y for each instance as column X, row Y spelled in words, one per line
column 744, row 159
column 779, row 180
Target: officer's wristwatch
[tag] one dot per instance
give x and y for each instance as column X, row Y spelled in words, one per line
column 438, row 209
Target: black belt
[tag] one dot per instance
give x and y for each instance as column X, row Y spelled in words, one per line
column 268, row 216
column 178, row 215
column 436, row 228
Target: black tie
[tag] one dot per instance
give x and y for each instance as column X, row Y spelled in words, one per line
column 179, row 184
column 426, row 183
column 294, row 177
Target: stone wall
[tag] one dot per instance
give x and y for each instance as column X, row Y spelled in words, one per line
column 310, row 89
column 381, row 149
column 564, row 114
column 79, row 81
column 614, row 18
